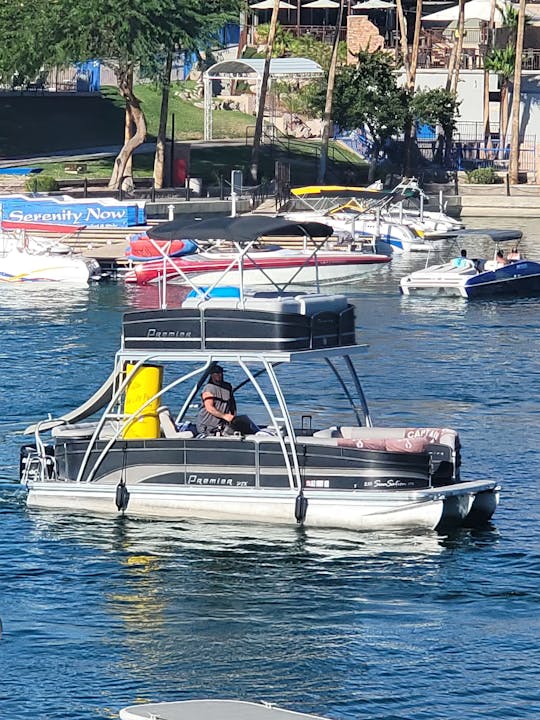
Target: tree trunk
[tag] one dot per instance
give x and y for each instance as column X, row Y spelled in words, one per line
column 159, row 158
column 516, row 97
column 127, row 180
column 373, row 160
column 139, row 136
column 262, row 96
column 489, row 47
column 410, row 127
column 415, row 46
column 402, row 24
column 503, row 120
column 327, row 117
column 458, row 47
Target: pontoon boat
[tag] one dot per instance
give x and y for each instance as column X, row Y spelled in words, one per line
column 283, row 464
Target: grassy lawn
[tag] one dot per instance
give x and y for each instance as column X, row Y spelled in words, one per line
column 40, row 124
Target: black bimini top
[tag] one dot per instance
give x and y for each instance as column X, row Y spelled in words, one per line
column 242, row 229
column 495, row 234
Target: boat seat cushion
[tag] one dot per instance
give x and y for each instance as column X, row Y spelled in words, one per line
column 432, row 436
column 83, row 430
column 168, row 426
column 413, row 445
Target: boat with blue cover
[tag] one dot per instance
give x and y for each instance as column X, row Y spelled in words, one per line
column 314, row 458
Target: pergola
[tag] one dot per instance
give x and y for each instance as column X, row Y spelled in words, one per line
column 252, row 70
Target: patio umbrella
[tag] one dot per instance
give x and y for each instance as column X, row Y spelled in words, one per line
column 321, row 4
column 474, row 10
column 324, row 4
column 374, row 5
column 269, row 5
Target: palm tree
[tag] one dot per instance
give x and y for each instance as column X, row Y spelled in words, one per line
column 488, row 49
column 515, row 147
column 502, row 61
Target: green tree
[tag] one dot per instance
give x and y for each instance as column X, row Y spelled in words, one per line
column 124, row 35
column 440, row 108
column 502, row 61
column 367, row 95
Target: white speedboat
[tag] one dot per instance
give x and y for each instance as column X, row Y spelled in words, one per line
column 258, row 266
column 285, row 465
column 364, row 216
column 478, row 277
column 27, row 258
column 211, row 710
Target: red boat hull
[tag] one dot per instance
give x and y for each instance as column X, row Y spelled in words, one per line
column 152, row 271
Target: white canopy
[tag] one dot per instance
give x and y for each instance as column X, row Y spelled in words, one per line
column 269, row 5
column 474, row 10
column 374, row 5
column 292, row 66
column 321, row 4
column 253, row 69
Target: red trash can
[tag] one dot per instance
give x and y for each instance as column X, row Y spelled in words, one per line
column 179, row 172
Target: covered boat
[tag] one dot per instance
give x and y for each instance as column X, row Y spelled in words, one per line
column 143, row 248
column 503, row 275
column 236, row 257
column 281, row 464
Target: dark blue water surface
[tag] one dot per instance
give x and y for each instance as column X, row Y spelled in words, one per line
column 99, row 613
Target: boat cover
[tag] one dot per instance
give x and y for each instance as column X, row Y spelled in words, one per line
column 495, row 234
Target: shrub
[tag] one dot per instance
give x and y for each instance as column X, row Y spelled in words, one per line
column 41, row 183
column 483, row 176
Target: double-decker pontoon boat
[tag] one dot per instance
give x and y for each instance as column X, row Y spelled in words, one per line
column 281, row 465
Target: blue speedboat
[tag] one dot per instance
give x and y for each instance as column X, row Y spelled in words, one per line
column 508, row 273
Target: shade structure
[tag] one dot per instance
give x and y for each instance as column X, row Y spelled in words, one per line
column 269, row 5
column 242, row 229
column 324, row 4
column 474, row 10
column 374, row 5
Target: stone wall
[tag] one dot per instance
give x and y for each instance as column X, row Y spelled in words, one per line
column 361, row 35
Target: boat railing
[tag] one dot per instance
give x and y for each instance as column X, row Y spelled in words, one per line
column 38, row 465
column 123, row 420
column 312, row 248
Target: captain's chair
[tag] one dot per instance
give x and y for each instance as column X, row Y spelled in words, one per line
column 168, row 425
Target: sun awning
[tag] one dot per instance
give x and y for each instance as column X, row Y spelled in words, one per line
column 242, row 229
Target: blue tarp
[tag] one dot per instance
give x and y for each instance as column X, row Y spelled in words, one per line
column 89, row 76
column 20, row 171
column 229, row 34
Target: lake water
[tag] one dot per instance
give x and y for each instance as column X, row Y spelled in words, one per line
column 99, row 613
